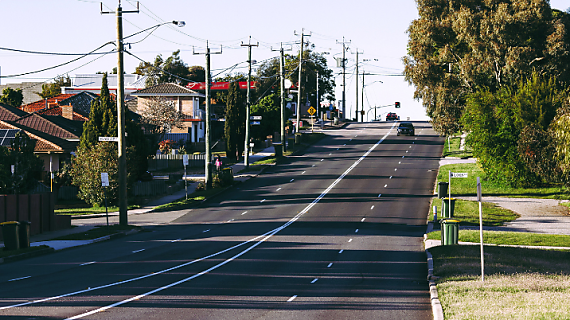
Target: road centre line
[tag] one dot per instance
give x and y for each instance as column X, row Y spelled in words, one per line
column 257, row 241
column 341, row 250
column 90, row 262
column 137, row 251
column 292, row 298
column 350, row 240
column 356, row 231
column 303, row 172
column 379, row 195
column 315, row 280
column 262, row 201
column 206, row 231
column 22, row 278
column 291, row 180
column 385, row 185
column 246, row 211
column 322, row 160
column 371, row 207
column 362, row 219
column 176, row 240
column 330, row 265
column 278, row 189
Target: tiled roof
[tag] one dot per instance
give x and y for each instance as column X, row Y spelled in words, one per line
column 81, row 102
column 40, row 123
column 10, row 113
column 56, row 111
column 41, row 104
column 167, row 89
column 44, row 142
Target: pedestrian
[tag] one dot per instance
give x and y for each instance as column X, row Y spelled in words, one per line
column 218, row 163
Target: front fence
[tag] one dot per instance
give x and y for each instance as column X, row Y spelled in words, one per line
column 174, row 161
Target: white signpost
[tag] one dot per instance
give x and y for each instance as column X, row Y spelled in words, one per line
column 110, row 139
column 481, row 228
column 185, row 163
column 105, row 184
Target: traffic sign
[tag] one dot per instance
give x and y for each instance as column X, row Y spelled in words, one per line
column 255, row 118
column 256, row 123
column 459, row 174
column 185, row 160
column 312, row 110
column 104, row 179
column 112, row 139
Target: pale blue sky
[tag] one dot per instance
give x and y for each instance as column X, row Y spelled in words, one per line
column 376, row 28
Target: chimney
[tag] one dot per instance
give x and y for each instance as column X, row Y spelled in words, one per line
column 67, row 112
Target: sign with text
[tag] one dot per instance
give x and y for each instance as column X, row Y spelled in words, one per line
column 104, row 179
column 185, row 159
column 459, row 174
column 255, row 118
column 255, row 123
column 111, row 139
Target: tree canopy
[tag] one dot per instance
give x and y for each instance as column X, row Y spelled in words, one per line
column 456, row 47
column 53, row 89
column 171, row 70
column 234, row 126
column 12, row 97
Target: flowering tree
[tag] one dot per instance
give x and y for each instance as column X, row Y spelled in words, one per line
column 159, row 116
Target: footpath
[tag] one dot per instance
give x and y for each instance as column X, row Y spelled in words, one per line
column 138, row 217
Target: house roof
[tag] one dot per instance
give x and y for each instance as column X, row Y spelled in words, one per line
column 42, row 124
column 10, row 113
column 167, row 89
column 44, row 142
column 41, row 104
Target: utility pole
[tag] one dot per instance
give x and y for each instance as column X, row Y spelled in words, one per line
column 208, row 160
column 282, row 86
column 122, row 152
column 318, row 100
column 300, row 78
column 248, row 104
column 362, row 114
column 344, row 48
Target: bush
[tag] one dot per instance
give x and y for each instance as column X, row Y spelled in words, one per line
column 223, row 178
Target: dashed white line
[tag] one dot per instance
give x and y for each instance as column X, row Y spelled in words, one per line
column 91, row 262
column 206, row 231
column 278, row 189
column 406, row 151
column 371, row 207
column 362, row 219
column 385, row 185
column 313, row 165
column 356, row 231
column 349, row 240
column 341, row 250
column 344, row 145
column 292, row 298
column 379, row 195
column 396, row 169
column 22, row 278
column 403, row 157
column 136, row 251
column 230, row 220
column 303, row 172
column 330, row 265
column 399, row 162
column 262, row 201
column 391, row 177
column 337, row 149
column 315, row 280
column 246, row 211
column 291, row 180
column 330, row 154
column 176, row 240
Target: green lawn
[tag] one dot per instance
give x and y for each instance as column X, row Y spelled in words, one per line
column 510, row 238
column 468, row 213
column 451, row 149
column 193, row 199
column 92, row 210
column 468, row 186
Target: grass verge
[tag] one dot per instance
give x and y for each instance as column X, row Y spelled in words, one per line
column 510, row 238
column 519, row 283
column 468, row 213
column 97, row 232
column 468, row 186
column 183, row 203
column 92, row 210
column 451, row 148
column 6, row 253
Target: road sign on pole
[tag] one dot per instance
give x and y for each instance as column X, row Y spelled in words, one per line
column 459, row 174
column 312, row 110
column 111, row 139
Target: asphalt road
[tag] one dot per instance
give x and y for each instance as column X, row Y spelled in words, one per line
column 333, row 234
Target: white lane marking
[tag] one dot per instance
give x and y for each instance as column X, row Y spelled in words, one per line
column 341, row 251
column 260, row 239
column 262, row 201
column 362, row 219
column 291, row 180
column 344, row 145
column 292, row 298
column 313, row 165
column 379, row 195
column 88, row 263
column 337, row 149
column 403, row 157
column 176, row 240
column 246, row 211
column 349, row 240
column 303, row 172
column 385, row 185
column 206, row 231
column 396, row 169
column 350, row 140
column 356, row 231
column 278, row 189
column 230, row 220
column 410, row 146
column 371, row 207
column 315, row 280
column 322, row 160
column 399, row 162
column 330, row 154
column 406, row 151
column 391, row 177
column 137, row 251
column 330, row 265
column 22, row 278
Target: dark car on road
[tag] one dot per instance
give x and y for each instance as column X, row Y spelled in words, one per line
column 406, row 128
column 392, row 116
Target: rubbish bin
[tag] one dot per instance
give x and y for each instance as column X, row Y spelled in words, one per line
column 335, row 121
column 449, row 232
column 10, row 234
column 24, row 234
column 278, row 146
column 447, row 208
column 442, row 188
column 298, row 137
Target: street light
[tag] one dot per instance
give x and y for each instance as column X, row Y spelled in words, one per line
column 178, row 23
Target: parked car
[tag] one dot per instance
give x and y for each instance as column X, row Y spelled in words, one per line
column 406, row 128
column 392, row 116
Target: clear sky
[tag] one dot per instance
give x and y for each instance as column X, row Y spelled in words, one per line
column 377, row 28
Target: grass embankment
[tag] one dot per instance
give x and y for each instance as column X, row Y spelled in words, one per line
column 91, row 210
column 193, row 199
column 510, row 238
column 451, row 148
column 468, row 186
column 519, row 283
column 98, row 232
column 468, row 213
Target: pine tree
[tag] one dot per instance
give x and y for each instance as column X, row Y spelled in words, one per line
column 102, row 119
column 234, row 128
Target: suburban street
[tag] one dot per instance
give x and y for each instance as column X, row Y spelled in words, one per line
column 333, row 233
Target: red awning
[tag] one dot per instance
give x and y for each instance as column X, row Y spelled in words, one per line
column 219, row 85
